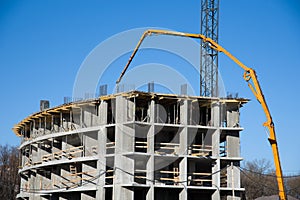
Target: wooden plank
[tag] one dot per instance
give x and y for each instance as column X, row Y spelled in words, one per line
column 202, row 180
column 172, row 148
column 200, row 154
column 74, row 148
column 138, row 142
column 200, row 173
column 143, row 177
column 170, row 179
column 200, row 145
column 202, row 150
column 169, row 172
column 170, row 144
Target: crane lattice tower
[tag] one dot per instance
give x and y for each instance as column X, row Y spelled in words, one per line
column 209, row 56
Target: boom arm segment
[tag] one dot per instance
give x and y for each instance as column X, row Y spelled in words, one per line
column 249, row 76
column 148, row 33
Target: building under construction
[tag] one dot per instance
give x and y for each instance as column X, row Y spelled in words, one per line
column 133, row 145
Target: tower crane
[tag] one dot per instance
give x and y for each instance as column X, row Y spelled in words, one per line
column 209, row 56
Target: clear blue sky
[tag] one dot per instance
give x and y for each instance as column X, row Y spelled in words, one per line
column 43, row 43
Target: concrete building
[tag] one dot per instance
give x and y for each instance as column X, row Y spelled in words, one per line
column 133, row 145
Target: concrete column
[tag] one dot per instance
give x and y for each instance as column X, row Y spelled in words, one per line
column 233, row 144
column 95, row 118
column 33, row 129
column 91, row 139
column 215, row 118
column 103, row 112
column 87, row 117
column 34, row 153
column 215, row 113
column 40, row 126
column 81, row 118
column 61, row 121
column 130, row 110
column 233, row 176
column 64, row 143
column 183, row 177
column 183, row 148
column 216, row 143
column 101, row 164
column 233, row 115
column 150, row 163
column 124, row 141
column 184, row 112
column 150, row 193
column 216, row 180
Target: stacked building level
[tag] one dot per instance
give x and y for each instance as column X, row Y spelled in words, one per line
column 133, row 146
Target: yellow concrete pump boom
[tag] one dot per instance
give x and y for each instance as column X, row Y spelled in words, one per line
column 249, row 76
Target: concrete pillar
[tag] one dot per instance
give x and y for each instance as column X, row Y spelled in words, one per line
column 130, row 110
column 87, row 117
column 183, row 177
column 183, row 194
column 150, row 164
column 184, row 112
column 183, row 148
column 101, row 163
column 150, row 193
column 103, row 112
column 91, row 139
column 95, row 118
column 233, row 176
column 81, row 118
column 61, row 121
column 34, row 152
column 233, row 144
column 64, row 143
column 124, row 141
column 233, row 116
column 215, row 114
column 216, row 180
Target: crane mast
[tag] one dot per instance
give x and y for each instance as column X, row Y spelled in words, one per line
column 208, row 56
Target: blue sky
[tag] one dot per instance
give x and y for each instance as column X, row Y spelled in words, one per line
column 43, row 44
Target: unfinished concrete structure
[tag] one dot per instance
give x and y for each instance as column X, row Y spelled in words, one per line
column 133, row 145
